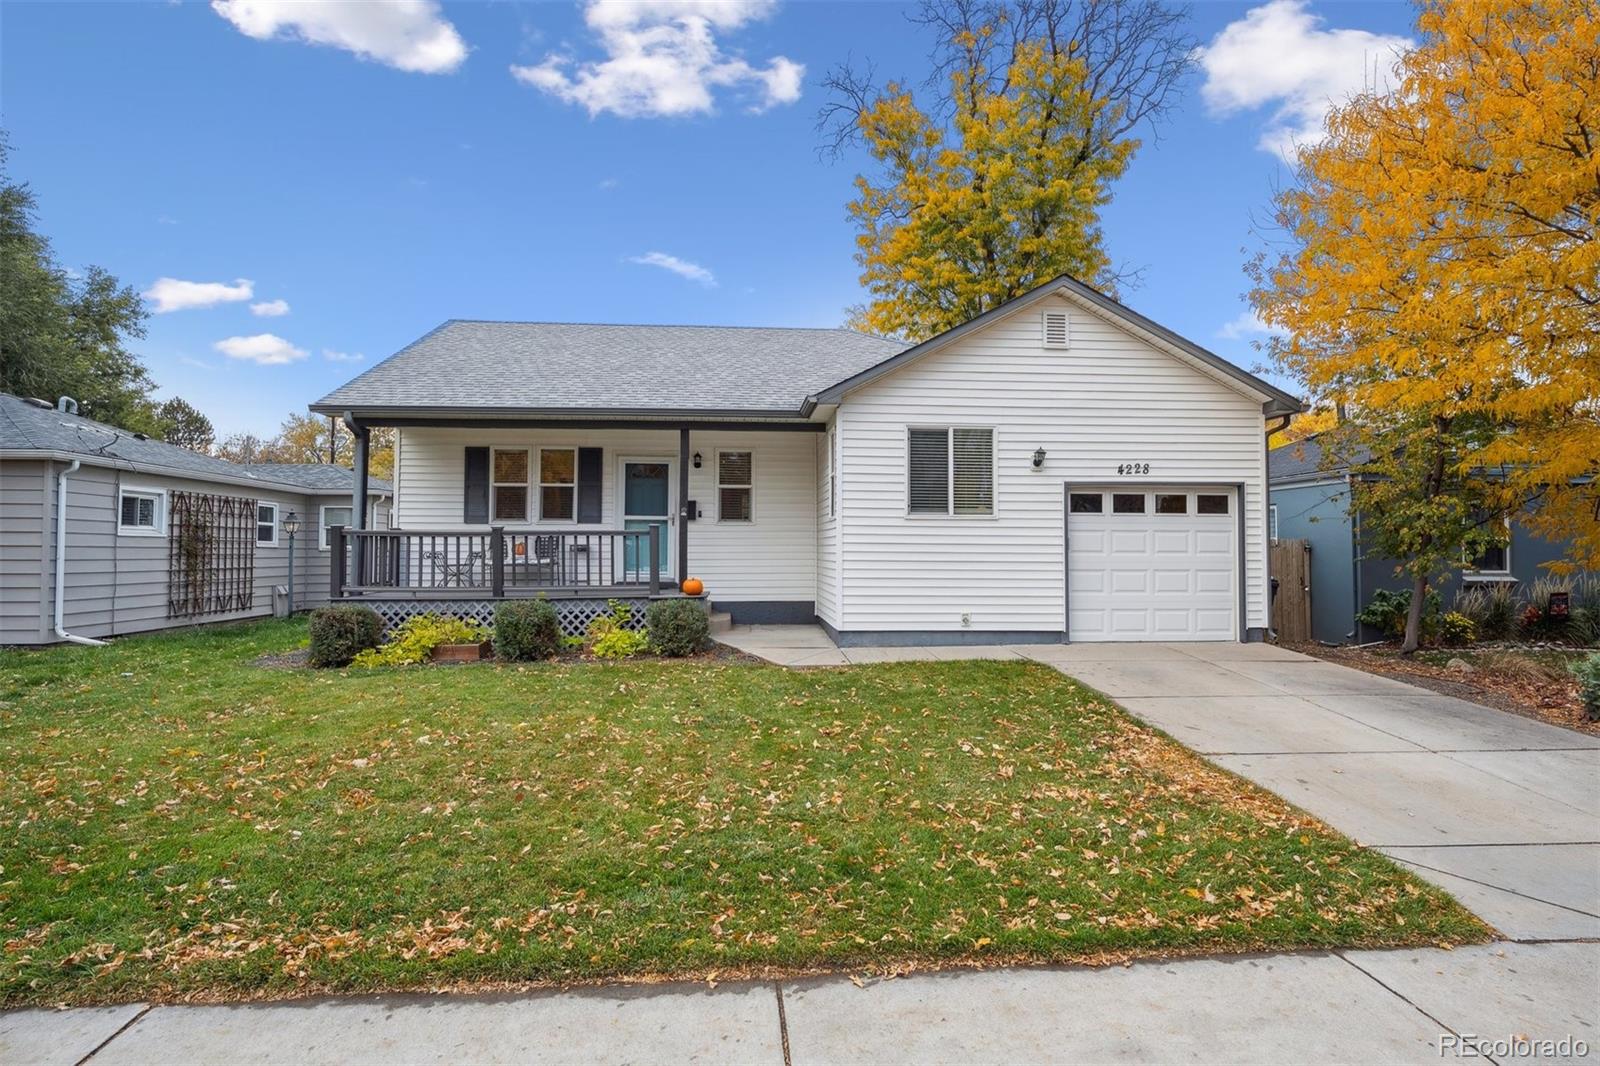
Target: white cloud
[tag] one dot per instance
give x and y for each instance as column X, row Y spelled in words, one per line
column 266, row 349
column 1245, row 324
column 270, row 308
column 663, row 58
column 681, row 267
column 1279, row 56
column 341, row 357
column 607, row 184
column 410, row 35
column 171, row 294
column 187, row 360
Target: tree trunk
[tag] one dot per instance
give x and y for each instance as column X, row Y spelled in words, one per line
column 1413, row 637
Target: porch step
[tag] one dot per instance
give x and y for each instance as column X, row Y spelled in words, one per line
column 721, row 621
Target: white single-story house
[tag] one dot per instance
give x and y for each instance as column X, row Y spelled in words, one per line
column 1057, row 469
column 104, row 532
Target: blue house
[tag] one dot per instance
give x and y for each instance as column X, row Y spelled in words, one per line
column 1310, row 501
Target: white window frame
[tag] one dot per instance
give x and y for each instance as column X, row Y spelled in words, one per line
column 950, row 474
column 750, row 486
column 322, row 521
column 143, row 492
column 1468, row 573
column 1272, row 521
column 540, row 484
column 273, row 543
column 494, row 486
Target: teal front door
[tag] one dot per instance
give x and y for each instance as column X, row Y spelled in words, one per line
column 646, row 502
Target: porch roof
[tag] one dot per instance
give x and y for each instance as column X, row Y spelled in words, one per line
column 482, row 369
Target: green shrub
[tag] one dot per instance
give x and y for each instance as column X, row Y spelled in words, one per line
column 1587, row 671
column 526, row 630
column 414, row 640
column 1457, row 628
column 1387, row 610
column 1584, row 627
column 617, row 643
column 677, row 627
column 339, row 634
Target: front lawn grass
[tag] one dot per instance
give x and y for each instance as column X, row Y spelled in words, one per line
column 180, row 822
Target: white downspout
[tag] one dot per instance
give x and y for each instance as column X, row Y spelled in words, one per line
column 61, row 562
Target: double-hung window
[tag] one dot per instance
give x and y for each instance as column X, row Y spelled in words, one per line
column 950, row 470
column 508, row 483
column 558, row 484
column 1494, row 560
column 267, row 525
column 141, row 512
column 335, row 515
column 735, row 487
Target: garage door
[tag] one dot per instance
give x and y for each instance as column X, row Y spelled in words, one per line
column 1152, row 563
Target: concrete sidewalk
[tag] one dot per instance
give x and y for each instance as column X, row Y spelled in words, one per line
column 1359, row 1006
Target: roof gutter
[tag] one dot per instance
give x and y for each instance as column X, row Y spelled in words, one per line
column 61, row 562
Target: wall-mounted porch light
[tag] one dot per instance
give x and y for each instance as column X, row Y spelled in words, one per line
column 697, row 460
column 1038, row 458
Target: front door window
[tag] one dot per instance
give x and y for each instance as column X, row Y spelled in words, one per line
column 646, row 502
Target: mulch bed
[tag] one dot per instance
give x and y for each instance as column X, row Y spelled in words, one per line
column 1555, row 702
column 715, row 653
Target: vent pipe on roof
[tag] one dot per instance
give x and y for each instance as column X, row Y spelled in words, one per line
column 67, row 405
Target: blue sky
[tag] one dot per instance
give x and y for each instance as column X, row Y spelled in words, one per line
column 401, row 173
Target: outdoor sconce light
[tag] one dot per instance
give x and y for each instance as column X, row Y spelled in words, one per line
column 697, row 460
column 1038, row 458
column 291, row 526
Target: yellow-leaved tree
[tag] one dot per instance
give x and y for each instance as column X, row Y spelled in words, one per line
column 993, row 183
column 1443, row 279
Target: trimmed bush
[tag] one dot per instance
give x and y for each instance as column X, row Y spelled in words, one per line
column 677, row 627
column 1456, row 628
column 526, row 630
column 1587, row 671
column 339, row 634
column 619, row 644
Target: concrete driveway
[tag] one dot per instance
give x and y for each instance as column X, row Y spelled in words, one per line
column 1501, row 811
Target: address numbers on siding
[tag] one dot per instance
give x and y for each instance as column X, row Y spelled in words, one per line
column 1133, row 468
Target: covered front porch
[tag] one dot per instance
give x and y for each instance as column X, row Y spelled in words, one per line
column 579, row 510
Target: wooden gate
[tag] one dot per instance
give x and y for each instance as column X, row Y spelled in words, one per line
column 1290, row 565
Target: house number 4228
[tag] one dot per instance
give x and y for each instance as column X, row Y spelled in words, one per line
column 1133, row 468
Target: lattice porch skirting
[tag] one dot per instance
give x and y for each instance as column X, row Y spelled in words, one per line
column 575, row 614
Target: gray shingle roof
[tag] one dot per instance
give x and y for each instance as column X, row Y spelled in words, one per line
column 552, row 366
column 25, row 427
column 314, row 476
column 1303, row 459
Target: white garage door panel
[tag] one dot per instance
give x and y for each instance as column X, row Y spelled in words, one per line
column 1153, row 576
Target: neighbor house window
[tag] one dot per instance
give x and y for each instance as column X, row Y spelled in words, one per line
column 335, row 515
column 509, row 485
column 950, row 471
column 267, row 525
column 558, row 484
column 142, row 512
column 1272, row 521
column 735, row 487
column 1495, row 559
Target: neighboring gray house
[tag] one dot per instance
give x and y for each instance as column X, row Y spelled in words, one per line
column 1311, row 501
column 129, row 564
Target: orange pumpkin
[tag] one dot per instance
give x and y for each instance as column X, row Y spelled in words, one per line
column 693, row 586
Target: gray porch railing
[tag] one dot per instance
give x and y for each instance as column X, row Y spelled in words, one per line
column 368, row 562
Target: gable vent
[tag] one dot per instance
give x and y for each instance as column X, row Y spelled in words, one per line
column 1055, row 329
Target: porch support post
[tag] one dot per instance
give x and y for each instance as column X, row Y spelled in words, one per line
column 358, row 498
column 683, row 505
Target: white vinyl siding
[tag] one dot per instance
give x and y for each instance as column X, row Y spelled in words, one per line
column 772, row 558
column 1109, row 399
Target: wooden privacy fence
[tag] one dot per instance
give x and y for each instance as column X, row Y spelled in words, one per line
column 1290, row 566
